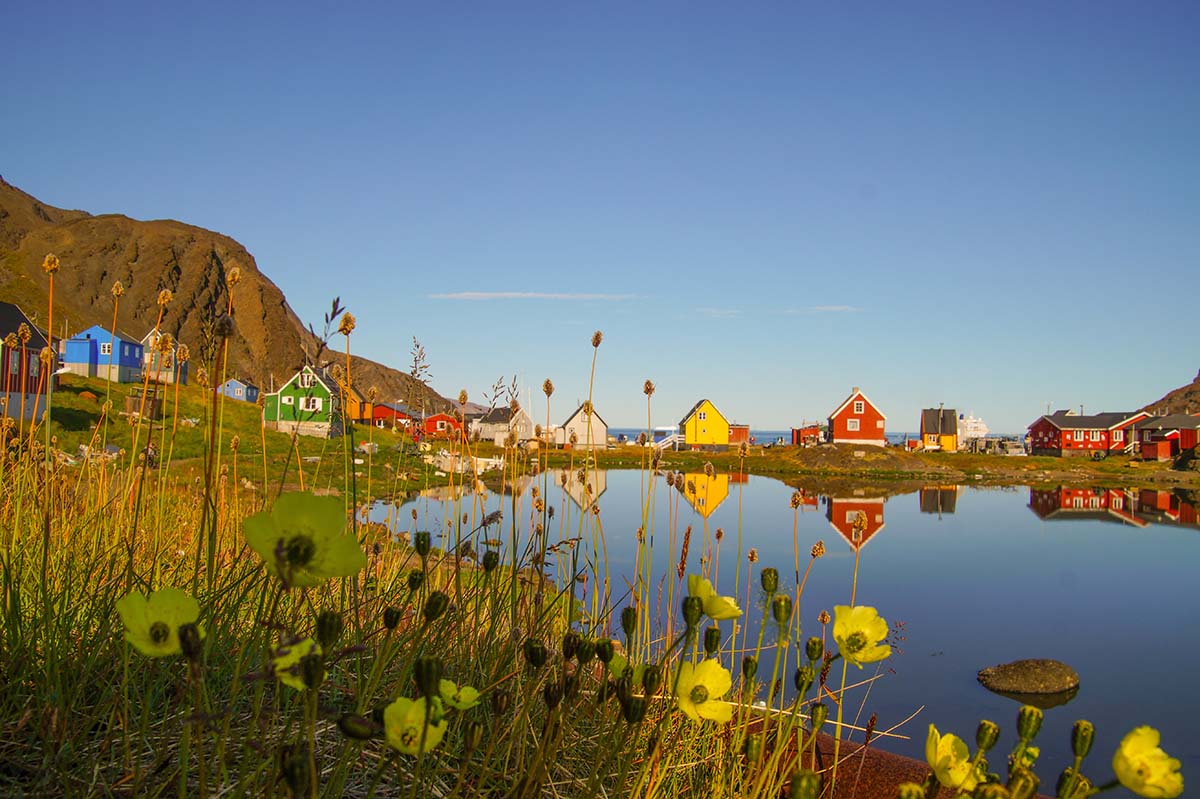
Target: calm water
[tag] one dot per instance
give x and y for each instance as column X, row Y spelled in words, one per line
column 1103, row 581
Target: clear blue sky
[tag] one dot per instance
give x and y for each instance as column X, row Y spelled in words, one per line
column 990, row 205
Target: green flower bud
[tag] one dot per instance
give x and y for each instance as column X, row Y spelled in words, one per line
column 629, row 622
column 651, row 679
column 416, row 578
column 624, row 686
column 491, row 560
column 535, row 653
column 427, row 673
column 817, row 715
column 805, row 676
column 910, row 790
column 570, row 686
column 806, row 784
column 1029, row 722
column 1083, row 786
column 634, row 709
column 570, row 643
column 1082, row 735
column 421, row 542
column 1023, row 784
column 693, row 609
column 986, row 735
column 814, row 647
column 552, row 692
column 312, row 671
column 749, row 668
column 712, row 640
column 500, row 701
column 781, row 609
column 472, row 736
column 753, row 748
column 357, row 727
column 190, row 642
column 605, row 651
column 329, row 629
column 294, row 765
column 586, row 651
column 990, row 790
column 435, row 605
column 391, row 617
column 770, row 580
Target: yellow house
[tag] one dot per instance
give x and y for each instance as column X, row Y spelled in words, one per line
column 939, row 429
column 709, row 492
column 704, row 426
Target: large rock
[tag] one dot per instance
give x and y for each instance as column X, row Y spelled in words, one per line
column 1030, row 677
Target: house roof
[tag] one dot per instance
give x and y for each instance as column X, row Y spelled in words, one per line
column 1065, row 420
column 948, row 425
column 120, row 334
column 11, row 317
column 849, row 399
column 696, row 407
column 500, row 415
column 397, row 407
column 1175, row 421
column 579, row 410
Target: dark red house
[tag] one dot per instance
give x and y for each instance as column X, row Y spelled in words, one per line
column 857, row 421
column 856, row 519
column 386, row 414
column 806, row 436
column 1064, row 433
column 1164, row 437
column 1099, row 504
column 20, row 367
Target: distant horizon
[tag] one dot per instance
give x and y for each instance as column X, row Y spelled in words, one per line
column 987, row 206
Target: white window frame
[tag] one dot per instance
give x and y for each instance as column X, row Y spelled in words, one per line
column 1118, row 435
column 310, row 404
column 1077, row 435
column 106, row 348
column 1077, row 502
column 238, row 392
column 860, row 407
column 702, row 416
column 306, row 380
column 1094, row 435
column 287, row 400
column 441, row 425
column 852, row 425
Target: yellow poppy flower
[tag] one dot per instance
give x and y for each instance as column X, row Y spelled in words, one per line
column 286, row 663
column 404, row 719
column 700, row 689
column 459, row 697
column 858, row 631
column 152, row 623
column 300, row 540
column 716, row 607
column 1144, row 768
column 950, row 760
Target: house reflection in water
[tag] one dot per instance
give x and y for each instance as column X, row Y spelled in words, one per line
column 939, row 499
column 857, row 519
column 709, row 494
column 1137, row 507
column 582, row 494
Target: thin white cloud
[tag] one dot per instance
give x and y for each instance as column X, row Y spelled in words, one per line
column 527, row 295
column 719, row 313
column 824, row 309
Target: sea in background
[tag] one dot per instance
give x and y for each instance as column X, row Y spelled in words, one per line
column 760, row 437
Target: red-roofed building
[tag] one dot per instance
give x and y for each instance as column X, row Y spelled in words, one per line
column 857, row 421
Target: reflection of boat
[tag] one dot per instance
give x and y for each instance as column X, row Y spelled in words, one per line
column 857, row 519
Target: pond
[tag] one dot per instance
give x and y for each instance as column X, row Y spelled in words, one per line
column 1099, row 579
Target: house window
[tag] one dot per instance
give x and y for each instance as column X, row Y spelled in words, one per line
column 1094, row 435
column 1078, row 435
column 852, row 425
column 879, row 424
column 1077, row 502
column 702, row 416
column 859, row 406
column 1118, row 435
column 1094, row 502
column 287, row 400
column 237, row 392
column 441, row 425
column 931, row 439
column 307, row 380
column 1118, row 503
column 379, row 423
column 106, row 348
column 1145, row 435
column 310, row 403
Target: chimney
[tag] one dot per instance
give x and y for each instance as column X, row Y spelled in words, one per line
column 854, row 390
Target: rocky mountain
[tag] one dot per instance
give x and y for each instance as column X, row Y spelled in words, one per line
column 1185, row 399
column 269, row 341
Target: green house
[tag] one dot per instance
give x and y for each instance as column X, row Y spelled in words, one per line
column 308, row 404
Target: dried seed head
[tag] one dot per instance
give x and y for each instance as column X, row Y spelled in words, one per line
column 823, row 618
column 118, row 290
column 24, row 333
column 462, row 397
column 11, row 341
column 233, row 277
column 182, row 353
column 164, row 297
column 234, row 443
column 797, row 498
column 818, row 549
column 337, row 372
column 348, row 323
column 597, row 337
column 648, row 388
column 587, row 407
column 537, row 430
column 50, row 264
column 223, row 326
column 709, row 471
column 547, row 387
column 641, row 439
column 372, row 394
column 202, row 377
column 165, row 344
column 46, row 356
column 574, row 438
column 691, row 487
column 743, row 449
column 752, row 555
column 719, row 534
column 514, row 405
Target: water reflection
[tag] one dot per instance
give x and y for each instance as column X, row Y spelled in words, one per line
column 940, row 499
column 856, row 519
column 704, row 493
column 1131, row 506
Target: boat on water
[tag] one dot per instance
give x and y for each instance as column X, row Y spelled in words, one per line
column 971, row 427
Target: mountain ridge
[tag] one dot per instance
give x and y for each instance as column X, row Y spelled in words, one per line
column 269, row 341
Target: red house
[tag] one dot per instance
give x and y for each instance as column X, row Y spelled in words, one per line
column 1064, row 434
column 857, row 421
column 806, row 436
column 1101, row 504
column 1164, row 437
column 856, row 519
column 442, row 425
column 385, row 414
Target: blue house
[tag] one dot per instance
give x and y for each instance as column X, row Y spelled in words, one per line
column 95, row 352
column 239, row 390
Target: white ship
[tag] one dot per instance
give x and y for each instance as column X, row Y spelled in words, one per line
column 971, row 427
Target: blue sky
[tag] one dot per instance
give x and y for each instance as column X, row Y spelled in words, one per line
column 994, row 206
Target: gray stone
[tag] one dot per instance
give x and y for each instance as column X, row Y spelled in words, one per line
column 1030, row 677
